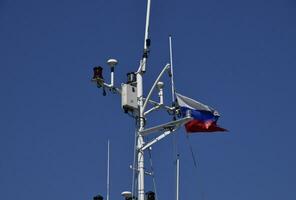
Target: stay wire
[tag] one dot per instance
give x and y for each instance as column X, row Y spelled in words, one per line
column 196, row 165
column 153, row 176
column 195, row 161
column 176, row 156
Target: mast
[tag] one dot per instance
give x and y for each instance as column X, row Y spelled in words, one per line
column 141, row 122
column 135, row 103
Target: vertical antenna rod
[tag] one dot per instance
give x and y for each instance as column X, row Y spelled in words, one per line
column 146, row 37
column 172, row 69
column 108, row 170
column 173, row 102
column 177, row 177
column 147, row 23
column 141, row 121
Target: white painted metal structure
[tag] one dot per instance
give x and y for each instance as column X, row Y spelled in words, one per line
column 141, row 112
column 141, row 123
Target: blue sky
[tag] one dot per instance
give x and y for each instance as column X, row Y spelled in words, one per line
column 237, row 56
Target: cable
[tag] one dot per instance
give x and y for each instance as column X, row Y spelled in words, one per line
column 196, row 165
column 176, row 157
column 195, row 161
column 152, row 171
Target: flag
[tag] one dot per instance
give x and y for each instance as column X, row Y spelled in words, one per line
column 204, row 117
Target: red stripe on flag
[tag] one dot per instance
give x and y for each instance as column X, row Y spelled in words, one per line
column 198, row 126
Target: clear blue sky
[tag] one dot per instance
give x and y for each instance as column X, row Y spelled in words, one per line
column 237, row 56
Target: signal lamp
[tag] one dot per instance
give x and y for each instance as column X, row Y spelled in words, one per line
column 98, row 72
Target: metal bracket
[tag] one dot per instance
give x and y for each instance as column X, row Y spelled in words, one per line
column 173, row 125
column 167, row 129
column 147, row 173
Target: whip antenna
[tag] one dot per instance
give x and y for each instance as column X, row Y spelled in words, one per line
column 108, row 170
column 172, row 69
column 171, row 74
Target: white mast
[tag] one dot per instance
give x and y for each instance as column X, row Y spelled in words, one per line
column 138, row 110
column 141, row 122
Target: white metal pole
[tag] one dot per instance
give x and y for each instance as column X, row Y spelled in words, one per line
column 173, row 100
column 140, row 141
column 177, row 177
column 112, row 78
column 172, row 69
column 146, row 34
column 141, row 122
column 108, row 170
column 147, row 23
column 154, row 85
column 160, row 95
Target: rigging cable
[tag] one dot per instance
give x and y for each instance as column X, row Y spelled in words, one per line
column 176, row 156
column 195, row 161
column 196, row 165
column 152, row 174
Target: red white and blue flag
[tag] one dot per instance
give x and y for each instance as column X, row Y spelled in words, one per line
column 204, row 117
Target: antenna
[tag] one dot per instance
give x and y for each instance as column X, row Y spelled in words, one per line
column 173, row 104
column 127, row 195
column 177, row 177
column 147, row 41
column 112, row 63
column 172, row 69
column 108, row 170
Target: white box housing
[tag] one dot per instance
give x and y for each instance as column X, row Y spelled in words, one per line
column 129, row 97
